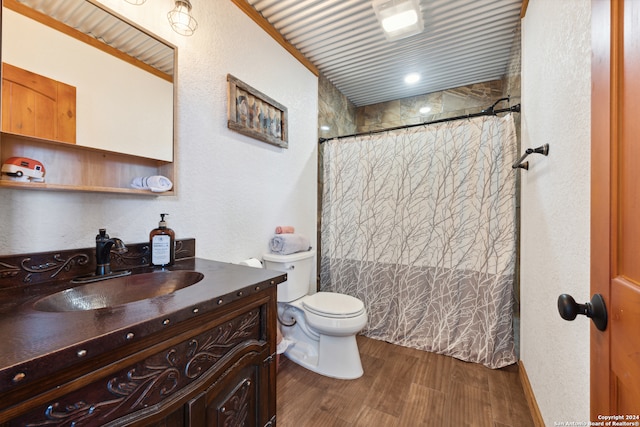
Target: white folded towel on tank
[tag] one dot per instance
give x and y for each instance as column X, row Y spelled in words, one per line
column 155, row 183
column 285, row 244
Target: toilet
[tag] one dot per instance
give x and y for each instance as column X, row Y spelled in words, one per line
column 321, row 327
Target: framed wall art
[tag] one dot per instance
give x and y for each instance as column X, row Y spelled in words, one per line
column 252, row 113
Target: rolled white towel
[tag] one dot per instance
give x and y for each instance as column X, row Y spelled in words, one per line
column 155, row 183
column 285, row 244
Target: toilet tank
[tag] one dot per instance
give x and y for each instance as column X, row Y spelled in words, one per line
column 298, row 267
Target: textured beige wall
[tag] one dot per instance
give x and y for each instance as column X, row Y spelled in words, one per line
column 555, row 217
column 232, row 190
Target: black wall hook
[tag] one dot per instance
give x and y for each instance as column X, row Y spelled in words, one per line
column 543, row 149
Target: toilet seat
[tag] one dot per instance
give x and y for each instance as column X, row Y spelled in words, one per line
column 333, row 305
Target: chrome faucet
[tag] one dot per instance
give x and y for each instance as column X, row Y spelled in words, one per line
column 104, row 244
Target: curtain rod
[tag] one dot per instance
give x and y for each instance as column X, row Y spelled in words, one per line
column 488, row 112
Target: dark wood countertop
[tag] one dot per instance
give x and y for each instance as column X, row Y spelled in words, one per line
column 37, row 343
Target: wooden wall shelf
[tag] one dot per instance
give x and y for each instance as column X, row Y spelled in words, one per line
column 72, row 167
column 93, row 189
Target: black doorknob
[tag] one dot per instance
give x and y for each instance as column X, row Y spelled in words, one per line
column 594, row 309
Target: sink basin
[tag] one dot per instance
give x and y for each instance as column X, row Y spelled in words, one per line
column 118, row 291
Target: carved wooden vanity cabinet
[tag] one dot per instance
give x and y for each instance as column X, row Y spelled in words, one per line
column 202, row 356
column 213, row 370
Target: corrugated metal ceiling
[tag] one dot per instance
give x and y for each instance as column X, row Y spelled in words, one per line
column 95, row 21
column 464, row 42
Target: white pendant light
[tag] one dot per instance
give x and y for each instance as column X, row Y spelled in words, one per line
column 181, row 20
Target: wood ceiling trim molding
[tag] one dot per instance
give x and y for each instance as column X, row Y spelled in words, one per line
column 265, row 25
column 523, row 10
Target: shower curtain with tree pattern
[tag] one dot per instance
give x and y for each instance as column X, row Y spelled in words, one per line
column 419, row 223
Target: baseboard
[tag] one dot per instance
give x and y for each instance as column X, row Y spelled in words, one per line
column 531, row 398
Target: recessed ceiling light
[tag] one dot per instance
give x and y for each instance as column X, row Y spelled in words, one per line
column 424, row 110
column 412, row 78
column 324, row 127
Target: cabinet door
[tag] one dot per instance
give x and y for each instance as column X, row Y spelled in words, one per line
column 240, row 398
column 34, row 105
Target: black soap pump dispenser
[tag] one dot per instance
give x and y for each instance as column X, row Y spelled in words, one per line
column 162, row 241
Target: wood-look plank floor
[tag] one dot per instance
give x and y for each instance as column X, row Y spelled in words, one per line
column 402, row 387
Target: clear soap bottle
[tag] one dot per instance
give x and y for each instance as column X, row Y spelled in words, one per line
column 162, row 241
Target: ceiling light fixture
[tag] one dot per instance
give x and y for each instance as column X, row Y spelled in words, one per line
column 424, row 110
column 412, row 78
column 181, row 20
column 399, row 18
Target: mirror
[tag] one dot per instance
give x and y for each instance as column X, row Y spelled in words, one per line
column 123, row 76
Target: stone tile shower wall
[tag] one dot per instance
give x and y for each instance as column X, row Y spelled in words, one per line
column 511, row 80
column 511, row 87
column 447, row 103
column 335, row 111
column 338, row 115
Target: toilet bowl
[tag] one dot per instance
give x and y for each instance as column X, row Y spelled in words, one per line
column 321, row 327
